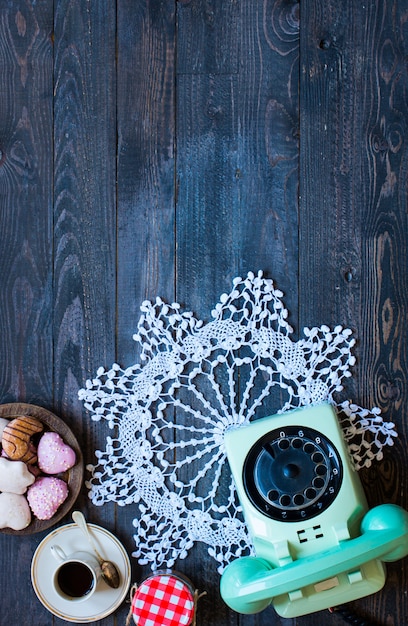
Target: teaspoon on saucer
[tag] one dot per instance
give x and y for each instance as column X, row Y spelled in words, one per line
column 110, row 572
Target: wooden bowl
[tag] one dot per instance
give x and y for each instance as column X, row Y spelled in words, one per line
column 73, row 477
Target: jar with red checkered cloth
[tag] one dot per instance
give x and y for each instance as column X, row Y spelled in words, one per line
column 164, row 599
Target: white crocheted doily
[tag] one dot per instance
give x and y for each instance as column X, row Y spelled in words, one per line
column 168, row 416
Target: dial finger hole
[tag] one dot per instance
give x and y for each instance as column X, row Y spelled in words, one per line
column 318, row 483
column 321, row 470
column 285, row 501
column 298, row 499
column 309, row 448
column 310, row 493
column 317, row 457
column 273, row 495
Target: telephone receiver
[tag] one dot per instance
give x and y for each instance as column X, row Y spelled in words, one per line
column 249, row 584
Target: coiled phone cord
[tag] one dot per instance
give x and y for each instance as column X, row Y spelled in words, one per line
column 349, row 617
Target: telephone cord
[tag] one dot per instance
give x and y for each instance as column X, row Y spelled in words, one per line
column 349, row 617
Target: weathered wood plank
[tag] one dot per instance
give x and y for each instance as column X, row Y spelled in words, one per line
column 84, row 312
column 352, row 214
column 146, row 139
column 384, row 301
column 237, row 164
column 330, row 220
column 209, row 41
column 84, row 193
column 206, row 257
column 26, row 202
column 26, row 67
column 145, row 178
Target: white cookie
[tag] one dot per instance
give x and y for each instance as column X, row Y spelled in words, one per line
column 14, row 511
column 15, row 476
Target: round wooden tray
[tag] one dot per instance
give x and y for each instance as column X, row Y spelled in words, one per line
column 73, row 477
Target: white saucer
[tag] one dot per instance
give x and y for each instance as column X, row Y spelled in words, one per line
column 104, row 600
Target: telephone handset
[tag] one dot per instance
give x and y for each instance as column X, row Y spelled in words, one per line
column 315, row 541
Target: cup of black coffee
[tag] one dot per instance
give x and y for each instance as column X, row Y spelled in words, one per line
column 77, row 574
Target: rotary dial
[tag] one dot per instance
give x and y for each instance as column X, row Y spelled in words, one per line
column 292, row 474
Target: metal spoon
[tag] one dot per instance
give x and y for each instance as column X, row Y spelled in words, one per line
column 110, row 573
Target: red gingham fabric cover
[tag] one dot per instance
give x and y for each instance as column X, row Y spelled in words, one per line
column 163, row 600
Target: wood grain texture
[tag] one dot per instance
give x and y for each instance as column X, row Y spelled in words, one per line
column 84, row 194
column 384, row 261
column 247, row 122
column 161, row 149
column 330, row 176
column 145, row 178
column 26, row 201
column 26, row 175
column 209, row 41
column 146, row 158
column 353, row 217
column 85, row 219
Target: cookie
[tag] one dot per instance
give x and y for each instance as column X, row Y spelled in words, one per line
column 46, row 495
column 14, row 511
column 54, row 456
column 16, row 438
column 15, row 476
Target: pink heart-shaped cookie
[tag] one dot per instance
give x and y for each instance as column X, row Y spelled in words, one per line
column 54, row 455
column 46, row 495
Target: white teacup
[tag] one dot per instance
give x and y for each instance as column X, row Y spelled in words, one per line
column 77, row 574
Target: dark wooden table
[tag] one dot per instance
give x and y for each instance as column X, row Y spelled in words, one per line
column 163, row 148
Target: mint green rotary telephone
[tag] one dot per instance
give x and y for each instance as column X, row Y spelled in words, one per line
column 316, row 543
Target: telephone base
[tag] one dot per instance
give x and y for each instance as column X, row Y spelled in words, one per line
column 340, row 589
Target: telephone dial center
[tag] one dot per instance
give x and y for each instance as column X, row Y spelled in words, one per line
column 291, row 470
